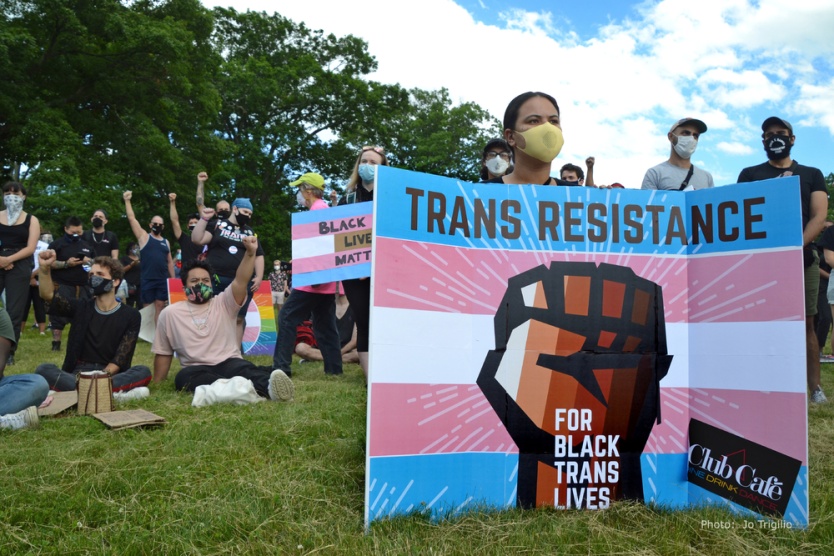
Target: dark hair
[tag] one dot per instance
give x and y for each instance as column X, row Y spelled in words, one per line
column 73, row 221
column 130, row 245
column 192, row 216
column 573, row 168
column 511, row 113
column 102, row 211
column 188, row 266
column 117, row 271
column 14, row 187
column 501, row 144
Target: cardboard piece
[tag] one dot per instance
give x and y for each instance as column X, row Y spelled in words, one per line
column 61, row 401
column 117, row 420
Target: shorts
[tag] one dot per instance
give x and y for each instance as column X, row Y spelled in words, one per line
column 812, row 285
column 153, row 291
column 277, row 298
column 305, row 334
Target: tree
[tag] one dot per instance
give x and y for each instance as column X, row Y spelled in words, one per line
column 101, row 96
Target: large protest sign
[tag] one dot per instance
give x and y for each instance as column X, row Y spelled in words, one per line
column 572, row 346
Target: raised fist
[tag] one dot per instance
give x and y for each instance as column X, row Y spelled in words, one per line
column 202, row 176
column 127, row 195
column 172, row 197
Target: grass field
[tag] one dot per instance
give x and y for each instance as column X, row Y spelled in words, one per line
column 288, row 478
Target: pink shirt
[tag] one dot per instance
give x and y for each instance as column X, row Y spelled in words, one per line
column 329, row 287
column 199, row 334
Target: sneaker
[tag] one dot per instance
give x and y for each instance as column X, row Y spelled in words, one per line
column 818, row 396
column 281, row 387
column 28, row 418
column 136, row 394
column 824, row 358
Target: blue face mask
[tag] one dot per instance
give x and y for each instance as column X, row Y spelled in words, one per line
column 367, row 172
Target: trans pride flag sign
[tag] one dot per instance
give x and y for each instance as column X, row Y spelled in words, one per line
column 572, row 346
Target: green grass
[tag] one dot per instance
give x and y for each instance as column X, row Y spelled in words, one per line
column 275, row 478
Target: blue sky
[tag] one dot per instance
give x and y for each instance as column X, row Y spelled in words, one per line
column 622, row 72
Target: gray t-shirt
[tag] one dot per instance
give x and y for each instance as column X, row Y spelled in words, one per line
column 667, row 176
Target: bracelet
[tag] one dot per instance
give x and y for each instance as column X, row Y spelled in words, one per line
column 206, row 219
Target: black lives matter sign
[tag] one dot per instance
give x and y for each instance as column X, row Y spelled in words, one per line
column 741, row 471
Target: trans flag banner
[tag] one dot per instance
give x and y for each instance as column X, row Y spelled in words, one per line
column 331, row 245
column 570, row 346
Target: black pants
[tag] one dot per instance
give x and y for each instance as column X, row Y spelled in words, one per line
column 823, row 318
column 15, row 283
column 189, row 378
column 358, row 293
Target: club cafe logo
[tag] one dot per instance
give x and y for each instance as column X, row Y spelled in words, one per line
column 720, row 472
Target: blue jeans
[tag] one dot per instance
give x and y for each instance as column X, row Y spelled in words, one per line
column 297, row 308
column 17, row 392
column 61, row 381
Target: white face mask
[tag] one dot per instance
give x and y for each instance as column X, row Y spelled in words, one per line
column 277, row 268
column 685, row 146
column 300, row 198
column 497, row 166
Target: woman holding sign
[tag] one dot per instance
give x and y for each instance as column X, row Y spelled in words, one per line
column 532, row 129
column 360, row 189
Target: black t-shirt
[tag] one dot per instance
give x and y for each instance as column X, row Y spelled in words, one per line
column 358, row 195
column 103, row 244
column 826, row 241
column 810, row 180
column 500, row 179
column 226, row 250
column 65, row 250
column 189, row 249
column 133, row 275
column 105, row 334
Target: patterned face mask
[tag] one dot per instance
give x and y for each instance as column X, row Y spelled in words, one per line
column 200, row 293
column 99, row 284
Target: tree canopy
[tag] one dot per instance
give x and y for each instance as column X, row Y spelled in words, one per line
column 102, row 96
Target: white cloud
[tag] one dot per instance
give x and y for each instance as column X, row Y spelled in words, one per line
column 734, row 148
column 723, row 61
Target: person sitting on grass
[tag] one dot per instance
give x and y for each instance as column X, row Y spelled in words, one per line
column 202, row 331
column 103, row 331
column 306, row 346
column 20, row 395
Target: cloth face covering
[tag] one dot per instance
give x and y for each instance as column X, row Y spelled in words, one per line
column 543, row 142
column 14, row 205
column 200, row 293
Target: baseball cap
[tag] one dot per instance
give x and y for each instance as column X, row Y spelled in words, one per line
column 702, row 127
column 310, row 178
column 773, row 120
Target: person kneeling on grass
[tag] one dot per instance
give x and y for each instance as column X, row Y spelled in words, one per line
column 103, row 333
column 20, row 395
column 202, row 331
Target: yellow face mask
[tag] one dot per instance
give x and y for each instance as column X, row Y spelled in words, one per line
column 543, row 142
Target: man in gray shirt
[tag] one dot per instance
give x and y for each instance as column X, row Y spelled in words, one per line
column 678, row 173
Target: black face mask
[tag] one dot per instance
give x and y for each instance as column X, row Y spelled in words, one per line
column 778, row 147
column 98, row 222
column 157, row 228
column 99, row 284
column 72, row 238
column 224, row 214
column 242, row 219
column 191, row 228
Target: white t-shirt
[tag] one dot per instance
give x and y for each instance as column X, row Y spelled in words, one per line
column 200, row 334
